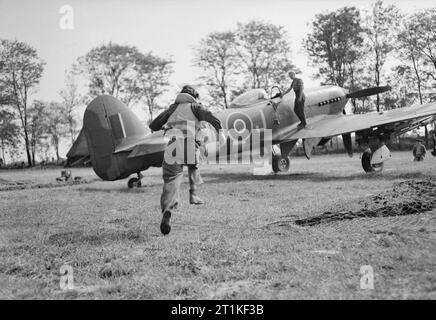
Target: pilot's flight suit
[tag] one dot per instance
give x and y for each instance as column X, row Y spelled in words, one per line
column 185, row 109
column 300, row 98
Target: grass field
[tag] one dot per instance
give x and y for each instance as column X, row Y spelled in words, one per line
column 242, row 244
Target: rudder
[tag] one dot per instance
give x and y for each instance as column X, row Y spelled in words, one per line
column 107, row 123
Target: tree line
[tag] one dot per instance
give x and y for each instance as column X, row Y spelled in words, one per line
column 38, row 126
column 349, row 47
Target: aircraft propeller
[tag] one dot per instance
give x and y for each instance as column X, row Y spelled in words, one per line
column 367, row 92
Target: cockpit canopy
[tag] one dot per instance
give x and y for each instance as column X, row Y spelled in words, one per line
column 249, row 98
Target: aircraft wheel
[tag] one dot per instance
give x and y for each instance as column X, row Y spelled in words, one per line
column 366, row 162
column 134, row 182
column 280, row 164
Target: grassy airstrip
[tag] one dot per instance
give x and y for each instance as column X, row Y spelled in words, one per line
column 242, row 244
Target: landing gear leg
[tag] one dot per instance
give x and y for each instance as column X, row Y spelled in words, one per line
column 135, row 182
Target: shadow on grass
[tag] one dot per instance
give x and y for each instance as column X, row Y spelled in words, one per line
column 292, row 177
column 98, row 237
column 123, row 190
column 310, row 176
column 51, row 185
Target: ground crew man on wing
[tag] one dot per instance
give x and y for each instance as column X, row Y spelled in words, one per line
column 298, row 87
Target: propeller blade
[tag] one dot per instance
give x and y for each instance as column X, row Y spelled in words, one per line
column 367, row 92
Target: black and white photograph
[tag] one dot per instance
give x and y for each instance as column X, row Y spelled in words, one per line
column 217, row 155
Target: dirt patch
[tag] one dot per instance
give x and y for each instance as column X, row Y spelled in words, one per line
column 21, row 185
column 405, row 198
column 96, row 238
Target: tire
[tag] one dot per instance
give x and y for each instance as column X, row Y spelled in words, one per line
column 366, row 162
column 280, row 164
column 133, row 182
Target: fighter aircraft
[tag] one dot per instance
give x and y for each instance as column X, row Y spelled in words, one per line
column 119, row 145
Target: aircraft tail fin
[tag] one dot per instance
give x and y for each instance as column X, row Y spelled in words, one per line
column 108, row 123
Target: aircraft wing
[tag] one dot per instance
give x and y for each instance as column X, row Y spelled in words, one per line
column 397, row 121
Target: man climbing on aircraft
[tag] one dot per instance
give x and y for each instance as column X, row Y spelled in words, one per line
column 179, row 117
column 300, row 98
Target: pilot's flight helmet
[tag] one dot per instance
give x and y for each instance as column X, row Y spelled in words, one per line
column 191, row 91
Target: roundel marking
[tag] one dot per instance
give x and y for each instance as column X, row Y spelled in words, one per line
column 239, row 126
column 240, row 123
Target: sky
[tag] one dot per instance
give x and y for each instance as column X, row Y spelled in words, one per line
column 168, row 28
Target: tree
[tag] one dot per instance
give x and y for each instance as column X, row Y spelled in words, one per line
column 417, row 44
column 125, row 73
column 71, row 99
column 335, row 44
column 151, row 79
column 361, row 78
column 109, row 69
column 20, row 72
column 264, row 52
column 217, row 56
column 403, row 94
column 407, row 49
column 5, row 94
column 9, row 132
column 57, row 125
column 423, row 26
column 37, row 126
column 381, row 27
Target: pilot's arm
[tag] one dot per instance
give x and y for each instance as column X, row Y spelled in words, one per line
column 287, row 91
column 162, row 118
column 203, row 114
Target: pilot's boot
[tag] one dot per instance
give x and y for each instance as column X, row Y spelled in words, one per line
column 165, row 227
column 194, row 199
